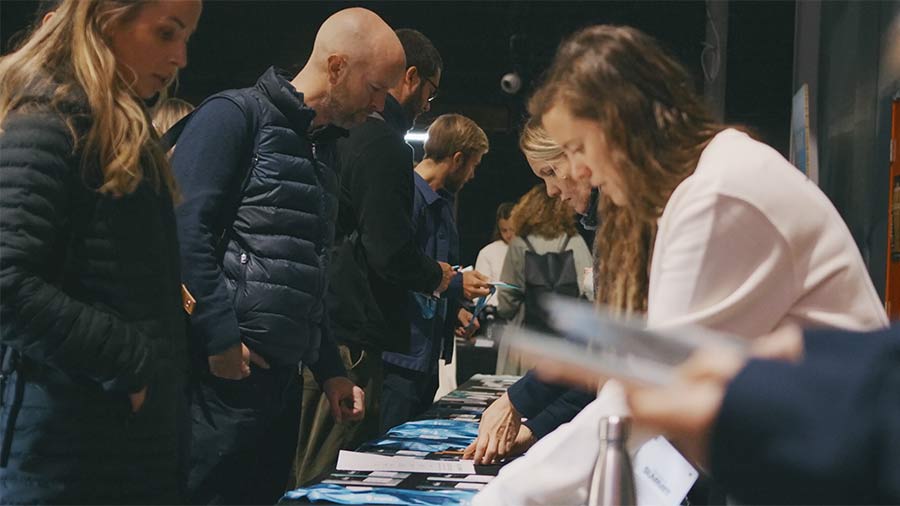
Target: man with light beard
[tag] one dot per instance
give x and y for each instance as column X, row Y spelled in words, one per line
column 453, row 151
column 377, row 260
column 256, row 226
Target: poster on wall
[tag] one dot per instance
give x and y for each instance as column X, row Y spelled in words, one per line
column 803, row 144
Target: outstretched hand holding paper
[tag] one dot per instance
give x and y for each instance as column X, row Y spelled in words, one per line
column 675, row 378
column 594, row 346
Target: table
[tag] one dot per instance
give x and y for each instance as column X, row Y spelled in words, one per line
column 478, row 356
column 463, row 405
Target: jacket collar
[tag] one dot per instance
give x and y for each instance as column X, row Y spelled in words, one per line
column 394, row 115
column 428, row 192
column 275, row 83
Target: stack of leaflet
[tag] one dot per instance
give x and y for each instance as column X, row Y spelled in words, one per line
column 472, row 398
column 418, row 462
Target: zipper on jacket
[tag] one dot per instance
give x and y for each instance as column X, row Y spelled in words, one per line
column 240, row 282
column 253, row 163
column 4, row 372
column 227, row 231
column 10, row 364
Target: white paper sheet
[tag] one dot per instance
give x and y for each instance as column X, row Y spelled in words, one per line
column 473, row 478
column 355, row 461
column 481, row 342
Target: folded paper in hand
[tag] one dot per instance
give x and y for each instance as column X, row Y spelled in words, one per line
column 617, row 346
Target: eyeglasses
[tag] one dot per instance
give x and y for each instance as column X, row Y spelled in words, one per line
column 434, row 92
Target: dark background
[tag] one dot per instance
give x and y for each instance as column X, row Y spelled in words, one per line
column 237, row 40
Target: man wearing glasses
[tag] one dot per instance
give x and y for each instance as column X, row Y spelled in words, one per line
column 377, row 260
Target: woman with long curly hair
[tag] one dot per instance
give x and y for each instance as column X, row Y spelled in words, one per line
column 542, row 225
column 93, row 333
column 701, row 224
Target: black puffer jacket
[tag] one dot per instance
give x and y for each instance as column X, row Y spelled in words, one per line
column 90, row 310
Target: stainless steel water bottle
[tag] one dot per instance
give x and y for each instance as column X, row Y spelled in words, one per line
column 613, row 482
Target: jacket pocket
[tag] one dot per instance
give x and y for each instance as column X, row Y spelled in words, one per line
column 155, row 389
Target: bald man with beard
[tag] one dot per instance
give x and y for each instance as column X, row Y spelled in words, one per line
column 256, row 225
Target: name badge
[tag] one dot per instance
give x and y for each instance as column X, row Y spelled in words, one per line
column 662, row 477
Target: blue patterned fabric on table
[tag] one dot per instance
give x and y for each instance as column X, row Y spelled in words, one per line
column 429, row 436
column 437, row 428
column 396, row 496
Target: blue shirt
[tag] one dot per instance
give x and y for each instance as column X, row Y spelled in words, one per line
column 432, row 319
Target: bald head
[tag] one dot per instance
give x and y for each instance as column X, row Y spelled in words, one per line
column 356, row 58
column 360, row 34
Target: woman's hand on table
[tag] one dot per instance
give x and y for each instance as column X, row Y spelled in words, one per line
column 497, row 432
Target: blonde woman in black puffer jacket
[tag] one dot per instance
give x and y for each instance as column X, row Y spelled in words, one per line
column 91, row 326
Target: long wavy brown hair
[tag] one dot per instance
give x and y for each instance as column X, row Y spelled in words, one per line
column 536, row 213
column 655, row 125
column 70, row 53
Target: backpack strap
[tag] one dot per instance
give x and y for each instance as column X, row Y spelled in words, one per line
column 170, row 139
column 565, row 243
column 250, row 116
column 528, row 244
column 171, row 136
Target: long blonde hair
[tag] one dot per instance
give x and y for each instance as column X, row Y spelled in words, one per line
column 656, row 126
column 168, row 112
column 71, row 53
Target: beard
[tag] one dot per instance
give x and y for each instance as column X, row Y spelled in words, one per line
column 340, row 113
column 454, row 185
column 414, row 105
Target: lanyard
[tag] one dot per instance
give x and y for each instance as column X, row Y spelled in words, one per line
column 482, row 301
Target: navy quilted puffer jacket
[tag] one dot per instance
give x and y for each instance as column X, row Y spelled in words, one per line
column 257, row 267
